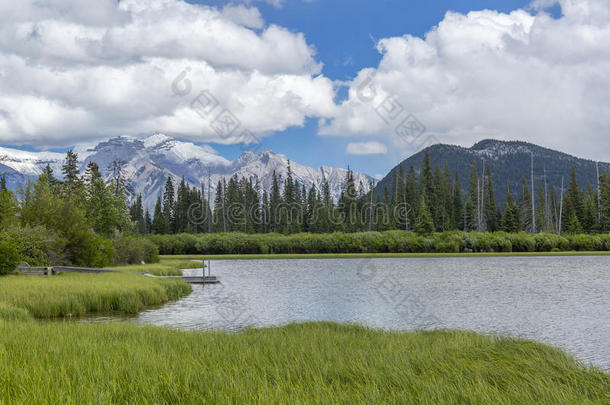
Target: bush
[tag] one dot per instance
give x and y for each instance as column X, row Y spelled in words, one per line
column 38, row 246
column 134, row 250
column 374, row 242
column 9, row 256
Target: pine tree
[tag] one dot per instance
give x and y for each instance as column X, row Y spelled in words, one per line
column 220, row 220
column 50, row 177
column 472, row 215
column 525, row 205
column 604, row 181
column 589, row 223
column 71, row 173
column 490, row 203
column 424, row 224
column 458, row 204
column 349, row 205
column 160, row 226
column 169, row 196
column 275, row 202
column 510, row 219
column 573, row 207
column 92, row 173
column 412, row 196
column 137, row 215
column 427, row 181
column 148, row 223
column 8, row 206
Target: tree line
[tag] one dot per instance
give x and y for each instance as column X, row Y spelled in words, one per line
column 427, row 200
column 79, row 219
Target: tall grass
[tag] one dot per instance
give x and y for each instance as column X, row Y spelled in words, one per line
column 297, row 364
column 71, row 294
column 10, row 313
column 166, row 267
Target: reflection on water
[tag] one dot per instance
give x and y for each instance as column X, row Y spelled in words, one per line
column 564, row 301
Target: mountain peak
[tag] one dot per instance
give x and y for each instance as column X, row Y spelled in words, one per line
column 150, row 160
column 156, row 140
column 509, row 161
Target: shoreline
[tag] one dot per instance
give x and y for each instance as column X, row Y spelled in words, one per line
column 297, row 256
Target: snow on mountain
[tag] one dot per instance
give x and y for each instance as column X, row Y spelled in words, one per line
column 149, row 161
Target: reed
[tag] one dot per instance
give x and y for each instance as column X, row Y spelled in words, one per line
column 66, row 362
column 166, row 267
column 73, row 294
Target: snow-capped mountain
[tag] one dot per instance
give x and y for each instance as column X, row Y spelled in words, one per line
column 149, row 161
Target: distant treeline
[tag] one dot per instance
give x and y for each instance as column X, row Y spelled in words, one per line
column 430, row 200
column 377, row 242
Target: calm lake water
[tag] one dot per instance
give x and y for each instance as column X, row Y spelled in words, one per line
column 563, row 301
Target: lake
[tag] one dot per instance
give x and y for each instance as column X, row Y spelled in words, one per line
column 563, row 301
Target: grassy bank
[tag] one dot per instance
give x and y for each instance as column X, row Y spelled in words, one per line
column 375, row 255
column 377, row 242
column 167, row 266
column 72, row 294
column 308, row 363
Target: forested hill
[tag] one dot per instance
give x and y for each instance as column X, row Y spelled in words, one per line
column 509, row 162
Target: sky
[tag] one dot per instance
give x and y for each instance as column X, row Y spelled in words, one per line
column 357, row 83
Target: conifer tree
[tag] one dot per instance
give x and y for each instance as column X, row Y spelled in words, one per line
column 412, row 197
column 525, row 204
column 424, row 224
column 490, row 202
column 573, row 207
column 510, row 219
column 458, row 204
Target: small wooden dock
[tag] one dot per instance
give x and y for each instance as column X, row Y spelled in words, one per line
column 196, row 279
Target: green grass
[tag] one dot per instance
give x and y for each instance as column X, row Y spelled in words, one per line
column 10, row 313
column 373, row 255
column 73, row 294
column 166, row 267
column 67, row 363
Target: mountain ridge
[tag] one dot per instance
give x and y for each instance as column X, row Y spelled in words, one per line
column 509, row 162
column 150, row 160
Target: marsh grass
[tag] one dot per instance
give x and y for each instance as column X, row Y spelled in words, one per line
column 73, row 294
column 166, row 267
column 10, row 313
column 297, row 364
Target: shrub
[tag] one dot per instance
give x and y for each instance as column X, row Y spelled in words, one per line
column 585, row 242
column 130, row 249
column 38, row 246
column 9, row 256
column 373, row 242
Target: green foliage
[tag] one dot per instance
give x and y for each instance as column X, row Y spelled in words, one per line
column 424, row 224
column 134, row 250
column 37, row 246
column 9, row 256
column 78, row 217
column 8, row 206
column 374, row 242
column 295, row 364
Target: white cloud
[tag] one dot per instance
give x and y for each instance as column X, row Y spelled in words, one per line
column 489, row 74
column 74, row 71
column 247, row 16
column 366, row 148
